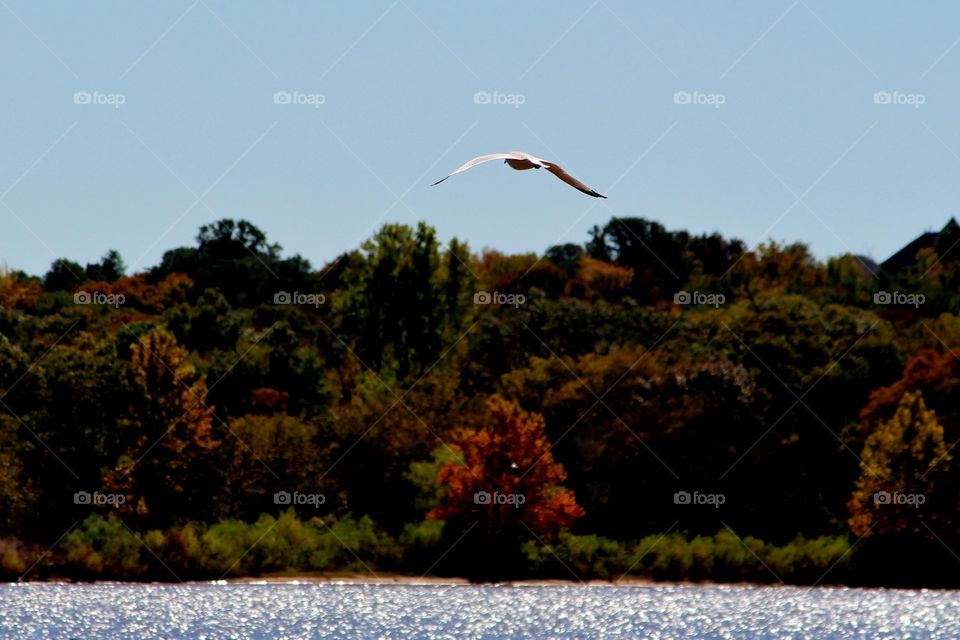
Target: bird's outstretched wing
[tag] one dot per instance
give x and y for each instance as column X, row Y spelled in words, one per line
column 570, row 180
column 514, row 155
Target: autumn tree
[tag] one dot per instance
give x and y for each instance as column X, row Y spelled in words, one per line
column 151, row 296
column 172, row 432
column 777, row 268
column 658, row 258
column 17, row 291
column 609, row 280
column 933, row 372
column 902, row 459
column 505, row 483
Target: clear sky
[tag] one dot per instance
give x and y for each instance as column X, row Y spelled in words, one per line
column 782, row 137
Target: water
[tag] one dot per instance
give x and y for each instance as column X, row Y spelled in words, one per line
column 203, row 611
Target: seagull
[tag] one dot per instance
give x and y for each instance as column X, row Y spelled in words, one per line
column 521, row 162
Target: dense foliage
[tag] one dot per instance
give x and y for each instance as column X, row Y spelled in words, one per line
column 650, row 403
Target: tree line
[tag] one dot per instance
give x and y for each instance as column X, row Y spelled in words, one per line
column 648, row 403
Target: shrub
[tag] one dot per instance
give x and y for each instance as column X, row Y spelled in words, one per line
column 723, row 557
column 102, row 547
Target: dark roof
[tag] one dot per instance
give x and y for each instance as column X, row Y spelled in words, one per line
column 906, row 256
column 868, row 264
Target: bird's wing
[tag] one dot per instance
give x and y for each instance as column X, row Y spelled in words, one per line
column 520, row 155
column 570, row 180
column 513, row 155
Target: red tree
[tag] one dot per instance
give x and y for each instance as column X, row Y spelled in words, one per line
column 506, row 478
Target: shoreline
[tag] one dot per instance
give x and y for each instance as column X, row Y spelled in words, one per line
column 390, row 579
column 361, row 578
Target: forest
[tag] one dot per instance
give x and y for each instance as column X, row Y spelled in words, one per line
column 648, row 404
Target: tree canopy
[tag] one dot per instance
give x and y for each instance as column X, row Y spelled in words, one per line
column 648, row 401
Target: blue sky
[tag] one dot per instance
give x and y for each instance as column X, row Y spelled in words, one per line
column 783, row 137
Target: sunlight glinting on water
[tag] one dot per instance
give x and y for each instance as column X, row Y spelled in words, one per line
column 435, row 612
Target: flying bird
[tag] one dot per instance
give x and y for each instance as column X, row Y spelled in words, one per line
column 521, row 162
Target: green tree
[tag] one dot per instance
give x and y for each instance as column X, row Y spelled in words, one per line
column 235, row 258
column 110, row 268
column 64, row 275
column 402, row 299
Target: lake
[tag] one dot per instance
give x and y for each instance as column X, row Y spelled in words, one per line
column 258, row 611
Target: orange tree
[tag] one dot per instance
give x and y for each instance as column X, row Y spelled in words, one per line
column 504, row 487
column 166, row 467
